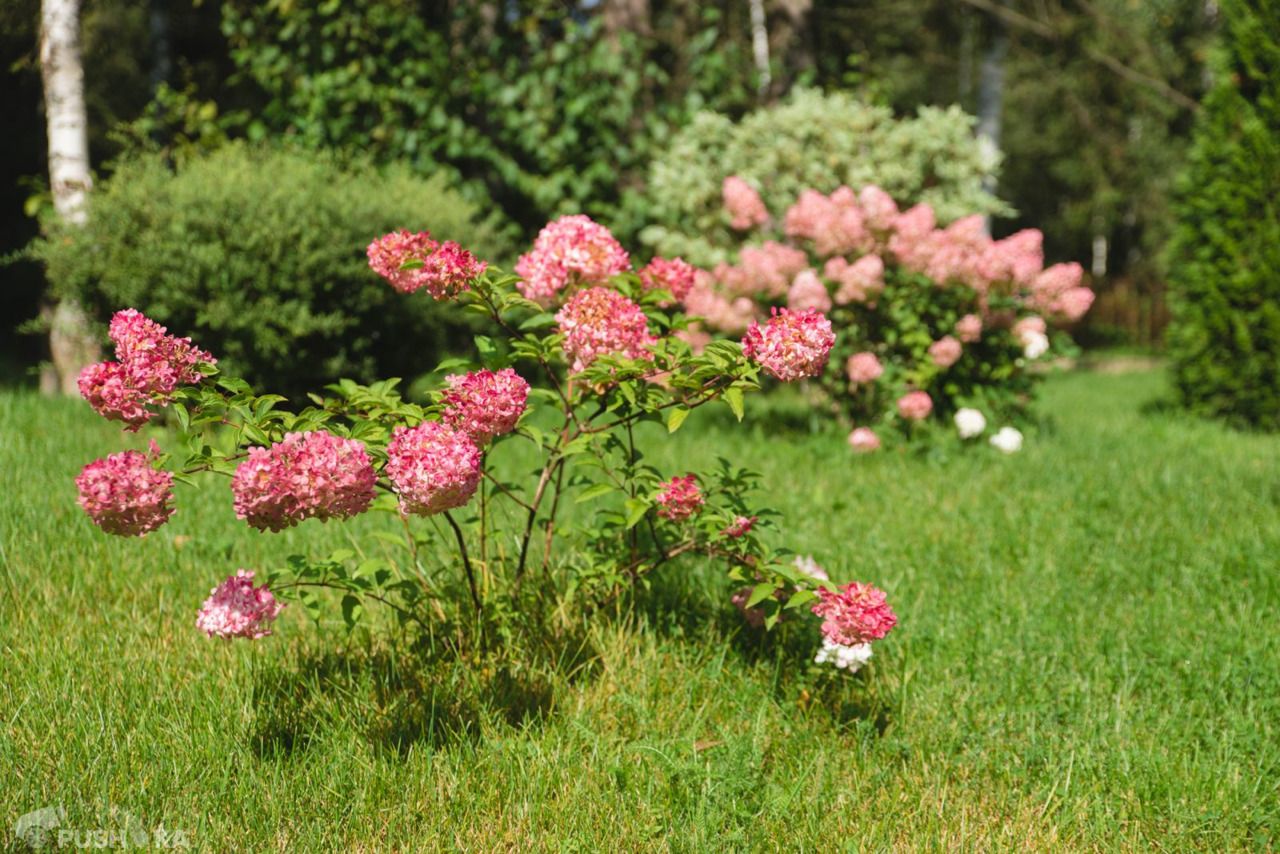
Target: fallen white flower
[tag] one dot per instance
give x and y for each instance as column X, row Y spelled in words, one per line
column 970, row 423
column 1008, row 440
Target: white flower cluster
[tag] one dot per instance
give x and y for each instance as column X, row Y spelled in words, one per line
column 971, row 423
column 850, row 658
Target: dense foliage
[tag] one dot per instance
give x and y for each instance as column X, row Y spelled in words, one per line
column 484, row 574
column 259, row 253
column 1225, row 340
column 542, row 113
column 811, row 141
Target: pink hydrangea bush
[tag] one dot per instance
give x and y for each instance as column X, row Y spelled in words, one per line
column 940, row 308
column 597, row 348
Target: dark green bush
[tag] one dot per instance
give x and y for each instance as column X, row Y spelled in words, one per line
column 259, row 255
column 1225, row 283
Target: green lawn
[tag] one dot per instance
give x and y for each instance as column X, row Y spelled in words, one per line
column 1088, row 658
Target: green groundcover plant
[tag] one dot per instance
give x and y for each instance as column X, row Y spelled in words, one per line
column 933, row 325
column 599, row 338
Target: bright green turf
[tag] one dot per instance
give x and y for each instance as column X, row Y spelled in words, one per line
column 1088, row 657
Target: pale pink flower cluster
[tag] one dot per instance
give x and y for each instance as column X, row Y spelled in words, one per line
column 915, row 405
column 237, row 609
column 810, row 567
column 946, row 351
column 150, row 365
column 485, row 404
column 880, row 211
column 791, row 345
column 808, row 292
column 602, row 322
column 835, row 224
column 864, row 440
column 861, row 281
column 433, row 467
column 570, row 250
column 674, row 275
column 126, row 494
column 446, row 269
column 739, row 527
column 857, row 613
column 969, row 328
column 862, row 368
column 314, row 475
column 746, row 208
column 718, row 310
column 679, row 498
column 767, row 269
column 1058, row 292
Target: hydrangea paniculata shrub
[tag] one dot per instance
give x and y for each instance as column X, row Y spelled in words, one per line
column 923, row 320
column 606, row 348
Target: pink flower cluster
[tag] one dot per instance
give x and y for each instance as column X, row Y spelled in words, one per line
column 791, row 345
column 861, row 281
column 969, row 328
column 602, row 322
column 126, row 494
column 433, row 467
column 303, row 476
column 835, row 224
column 739, row 527
column 946, row 351
column 808, row 292
column 718, row 310
column 767, row 269
column 863, row 368
column 1058, row 293
column 679, row 498
column 572, row 249
column 485, row 404
column 863, row 440
column 150, row 366
column 857, row 613
column 237, row 609
column 674, row 275
column 746, row 208
column 915, row 405
column 444, row 269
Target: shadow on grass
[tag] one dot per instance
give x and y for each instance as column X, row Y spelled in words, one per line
column 393, row 698
column 396, row 695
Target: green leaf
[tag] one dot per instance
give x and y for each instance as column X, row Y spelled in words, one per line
column 352, row 609
column 733, row 397
column 594, row 491
column 636, row 508
column 539, row 321
column 676, row 418
column 761, row 592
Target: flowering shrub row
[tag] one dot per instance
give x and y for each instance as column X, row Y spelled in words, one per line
column 930, row 323
column 607, row 347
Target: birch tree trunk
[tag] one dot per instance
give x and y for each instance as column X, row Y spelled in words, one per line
column 991, row 100
column 760, row 47
column 71, row 344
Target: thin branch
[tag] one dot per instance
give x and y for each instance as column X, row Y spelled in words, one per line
column 466, row 561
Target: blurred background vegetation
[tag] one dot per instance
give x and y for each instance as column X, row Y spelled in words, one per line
column 514, row 112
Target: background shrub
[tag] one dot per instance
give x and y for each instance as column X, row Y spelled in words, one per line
column 259, row 255
column 813, row 140
column 1225, row 286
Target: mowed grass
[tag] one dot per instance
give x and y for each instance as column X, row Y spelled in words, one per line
column 1088, row 658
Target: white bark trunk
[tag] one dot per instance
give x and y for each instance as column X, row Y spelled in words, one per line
column 71, row 343
column 991, row 101
column 760, row 46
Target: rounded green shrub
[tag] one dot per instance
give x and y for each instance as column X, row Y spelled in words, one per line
column 259, row 254
column 1225, row 270
column 818, row 141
